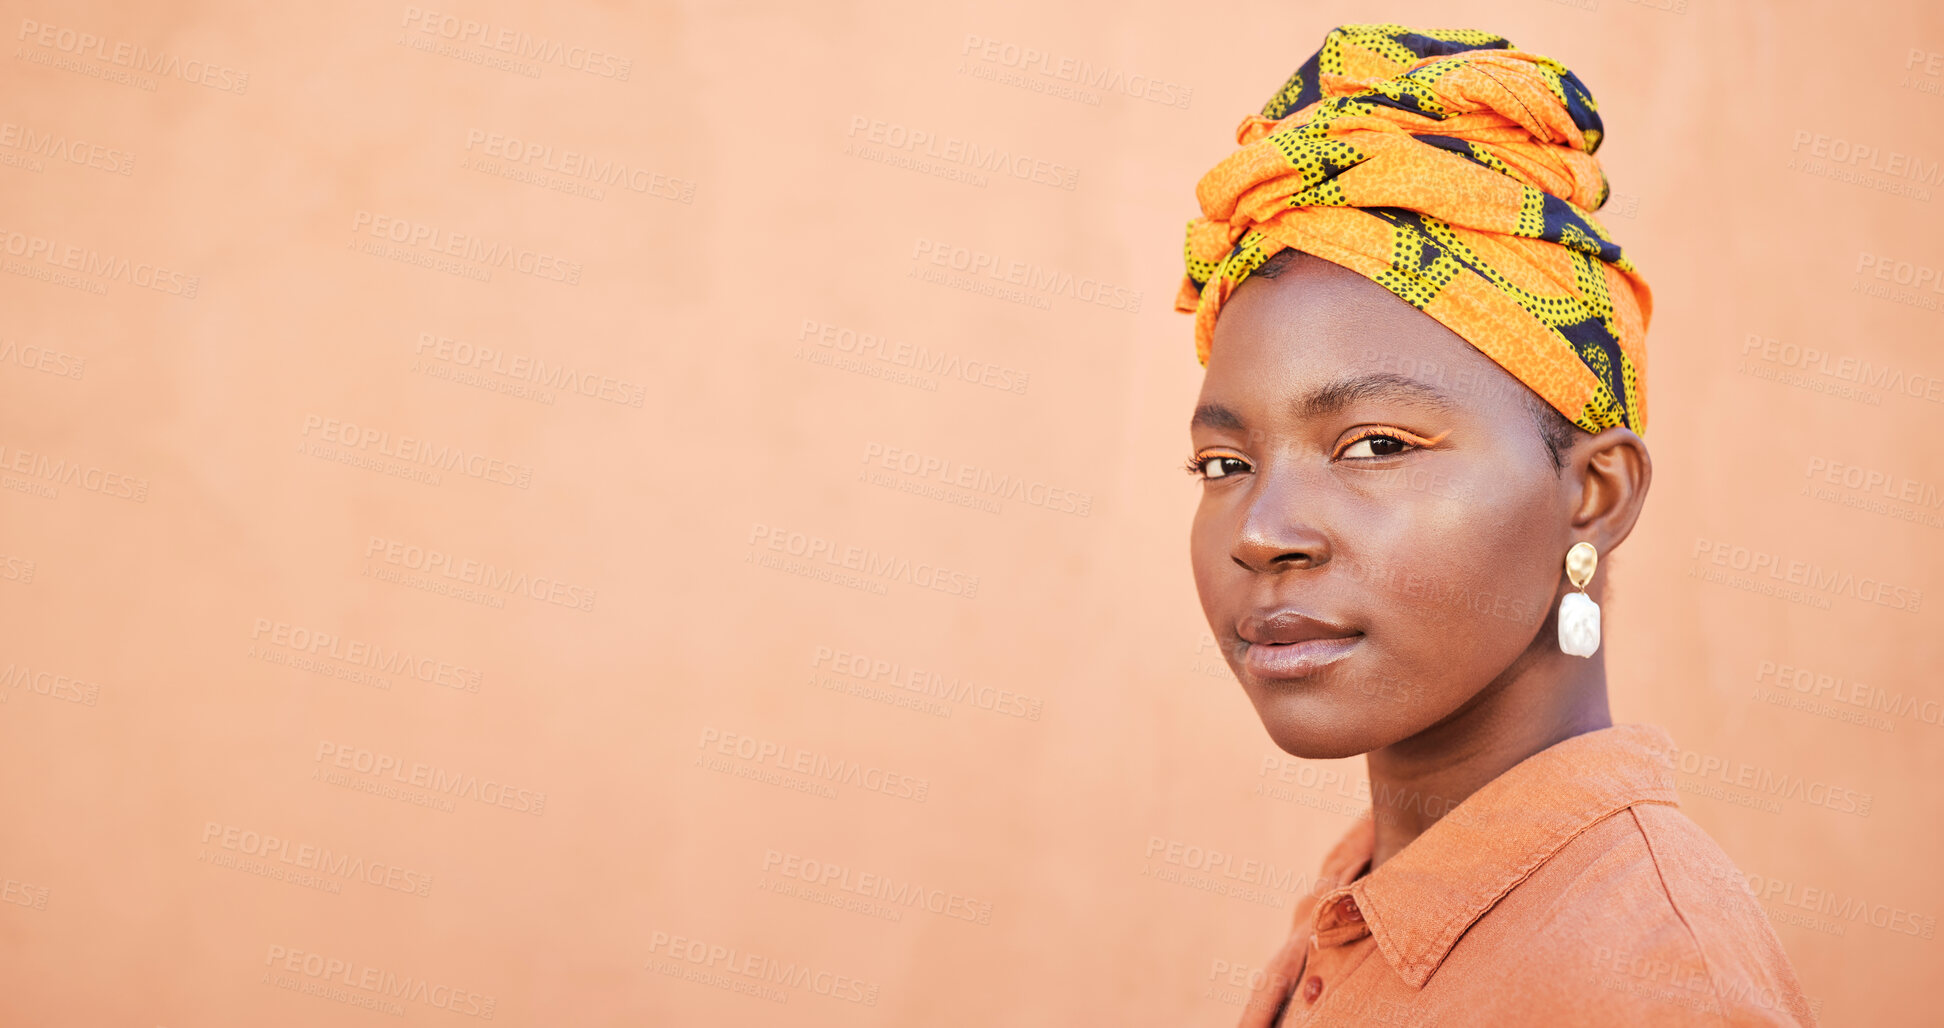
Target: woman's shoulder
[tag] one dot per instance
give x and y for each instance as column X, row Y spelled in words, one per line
column 1647, row 905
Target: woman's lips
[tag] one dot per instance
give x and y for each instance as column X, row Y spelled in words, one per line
column 1291, row 644
column 1297, row 659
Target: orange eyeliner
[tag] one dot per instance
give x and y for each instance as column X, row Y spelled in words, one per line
column 1375, row 431
column 1199, row 458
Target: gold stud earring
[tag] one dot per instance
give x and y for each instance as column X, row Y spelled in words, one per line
column 1579, row 616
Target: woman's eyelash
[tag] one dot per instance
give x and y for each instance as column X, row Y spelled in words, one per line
column 1374, row 437
column 1411, row 440
column 1198, row 465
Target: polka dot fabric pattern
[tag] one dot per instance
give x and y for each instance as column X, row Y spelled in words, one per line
column 1457, row 171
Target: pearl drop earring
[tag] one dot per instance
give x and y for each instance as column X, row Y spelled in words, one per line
column 1579, row 616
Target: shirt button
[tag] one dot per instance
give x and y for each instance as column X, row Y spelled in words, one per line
column 1312, row 989
column 1348, row 910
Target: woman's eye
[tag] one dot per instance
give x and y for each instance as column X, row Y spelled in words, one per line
column 1222, row 467
column 1376, row 446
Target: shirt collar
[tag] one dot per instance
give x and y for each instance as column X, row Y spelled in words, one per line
column 1420, row 901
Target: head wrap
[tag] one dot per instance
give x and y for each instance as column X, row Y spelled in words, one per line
column 1457, row 171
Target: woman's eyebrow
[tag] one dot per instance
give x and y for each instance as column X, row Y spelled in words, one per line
column 1333, row 397
column 1214, row 415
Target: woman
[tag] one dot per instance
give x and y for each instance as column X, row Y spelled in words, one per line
column 1418, row 437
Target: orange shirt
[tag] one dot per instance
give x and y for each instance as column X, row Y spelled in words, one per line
column 1567, row 891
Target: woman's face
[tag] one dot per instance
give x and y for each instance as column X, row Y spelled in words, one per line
column 1381, row 531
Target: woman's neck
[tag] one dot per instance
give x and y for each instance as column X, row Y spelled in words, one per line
column 1544, row 698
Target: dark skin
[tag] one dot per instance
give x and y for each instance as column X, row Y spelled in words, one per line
column 1380, row 546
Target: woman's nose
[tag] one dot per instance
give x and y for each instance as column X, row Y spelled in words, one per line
column 1280, row 528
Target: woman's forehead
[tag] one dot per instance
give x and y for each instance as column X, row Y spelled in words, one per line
column 1347, row 391
column 1318, row 337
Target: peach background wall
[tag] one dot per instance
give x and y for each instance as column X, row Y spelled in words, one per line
column 499, row 505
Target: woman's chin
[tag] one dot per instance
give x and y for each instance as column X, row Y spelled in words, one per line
column 1318, row 727
column 1313, row 738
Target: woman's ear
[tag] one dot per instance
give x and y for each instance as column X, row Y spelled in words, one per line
column 1611, row 471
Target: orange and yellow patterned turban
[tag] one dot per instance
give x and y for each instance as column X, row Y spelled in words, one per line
column 1457, row 171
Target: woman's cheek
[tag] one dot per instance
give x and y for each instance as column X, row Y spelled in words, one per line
column 1206, row 555
column 1498, row 595
column 1441, row 583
